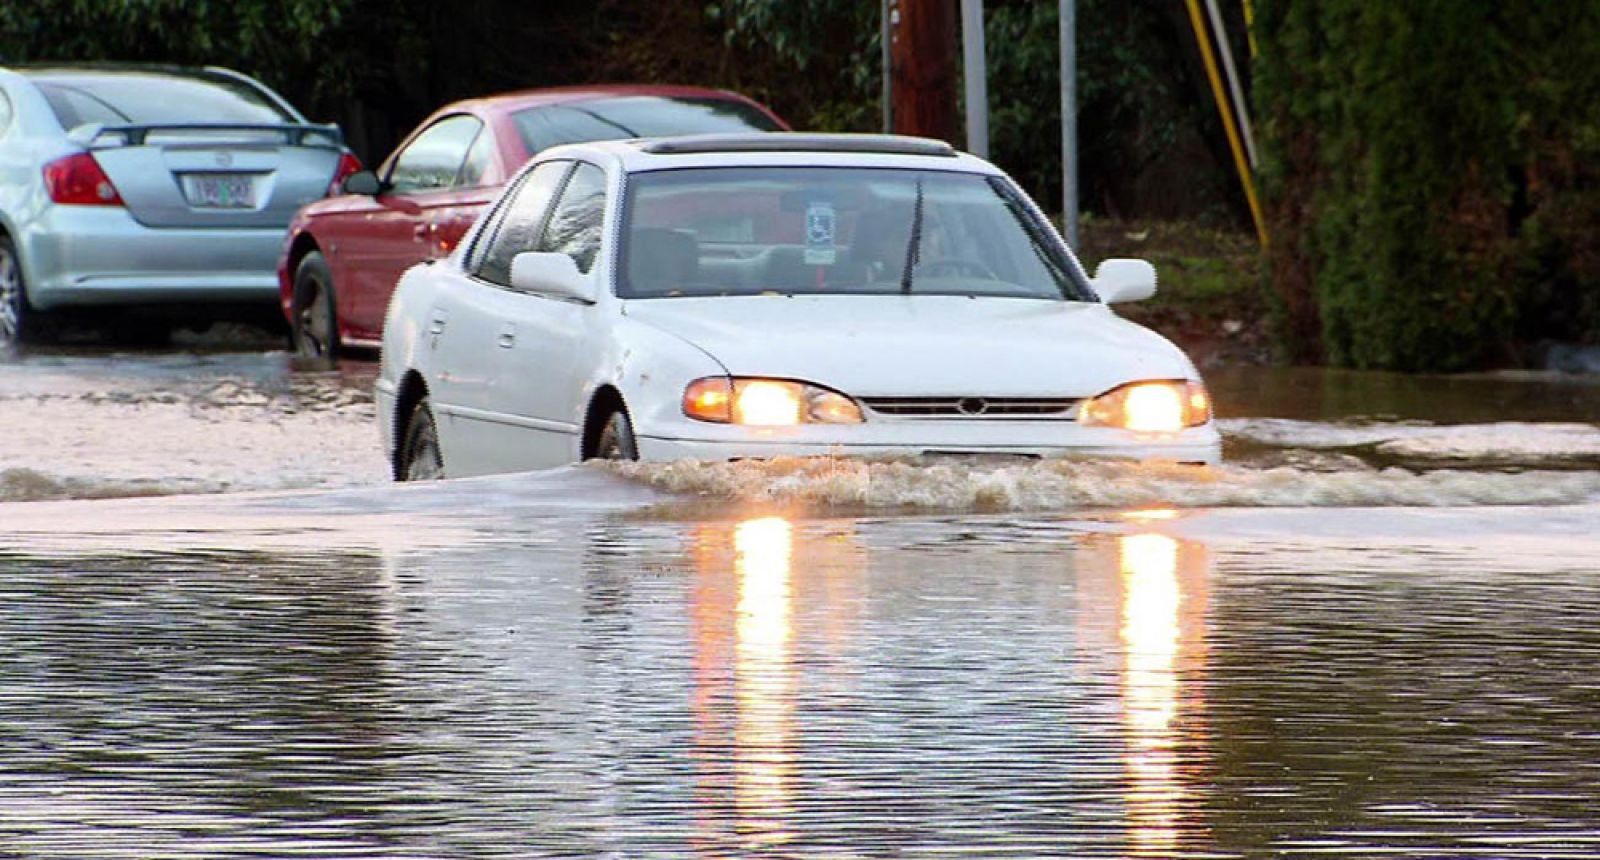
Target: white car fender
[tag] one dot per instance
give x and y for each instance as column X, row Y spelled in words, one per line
column 404, row 345
column 650, row 369
column 401, row 328
column 1158, row 363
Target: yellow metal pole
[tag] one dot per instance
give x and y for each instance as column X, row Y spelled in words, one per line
column 1240, row 162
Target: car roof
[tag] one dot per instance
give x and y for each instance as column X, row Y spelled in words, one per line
column 111, row 70
column 778, row 149
column 888, row 144
column 516, row 100
column 79, row 73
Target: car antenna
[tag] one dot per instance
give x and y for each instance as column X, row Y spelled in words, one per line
column 911, row 247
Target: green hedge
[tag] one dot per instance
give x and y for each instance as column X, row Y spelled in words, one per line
column 1431, row 177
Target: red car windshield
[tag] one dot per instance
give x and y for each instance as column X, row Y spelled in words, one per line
column 636, row 116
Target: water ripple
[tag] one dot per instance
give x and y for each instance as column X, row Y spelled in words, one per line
column 766, row 686
column 955, row 485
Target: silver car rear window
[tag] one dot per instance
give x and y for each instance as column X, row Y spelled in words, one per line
column 146, row 98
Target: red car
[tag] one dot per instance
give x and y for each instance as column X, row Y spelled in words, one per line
column 344, row 254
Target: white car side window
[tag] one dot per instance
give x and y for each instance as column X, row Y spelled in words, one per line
column 492, row 219
column 576, row 224
column 520, row 221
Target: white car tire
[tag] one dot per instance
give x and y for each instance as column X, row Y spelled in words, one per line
column 418, row 457
column 616, row 440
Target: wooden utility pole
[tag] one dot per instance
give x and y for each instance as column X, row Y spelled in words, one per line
column 923, row 54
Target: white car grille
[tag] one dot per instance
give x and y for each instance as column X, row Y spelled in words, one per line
column 975, row 407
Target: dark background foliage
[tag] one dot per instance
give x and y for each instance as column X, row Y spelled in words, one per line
column 1431, row 169
column 1433, row 177
column 1151, row 144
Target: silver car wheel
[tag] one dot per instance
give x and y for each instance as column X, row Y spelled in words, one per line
column 11, row 297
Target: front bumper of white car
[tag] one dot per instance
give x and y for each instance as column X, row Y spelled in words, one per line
column 698, row 441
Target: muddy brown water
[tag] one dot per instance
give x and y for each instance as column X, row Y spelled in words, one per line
column 1311, row 651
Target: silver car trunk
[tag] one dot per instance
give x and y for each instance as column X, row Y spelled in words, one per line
column 212, row 177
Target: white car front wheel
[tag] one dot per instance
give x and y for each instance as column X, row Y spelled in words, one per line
column 418, row 458
column 616, row 440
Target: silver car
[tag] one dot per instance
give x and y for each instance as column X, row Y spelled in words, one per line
column 157, row 188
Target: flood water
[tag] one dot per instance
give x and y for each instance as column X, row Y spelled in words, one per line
column 1373, row 632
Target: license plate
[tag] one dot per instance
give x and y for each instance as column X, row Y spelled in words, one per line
column 220, row 190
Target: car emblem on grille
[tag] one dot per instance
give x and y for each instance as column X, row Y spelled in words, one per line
column 224, row 159
column 972, row 406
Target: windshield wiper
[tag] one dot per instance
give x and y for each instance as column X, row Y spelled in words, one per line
column 911, row 247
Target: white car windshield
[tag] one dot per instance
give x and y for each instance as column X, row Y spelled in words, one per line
column 841, row 231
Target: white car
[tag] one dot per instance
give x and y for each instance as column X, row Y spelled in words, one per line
column 740, row 296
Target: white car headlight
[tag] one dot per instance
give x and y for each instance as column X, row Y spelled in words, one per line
column 1150, row 407
column 766, row 402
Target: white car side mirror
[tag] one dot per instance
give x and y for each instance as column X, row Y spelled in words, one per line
column 551, row 274
column 1119, row 280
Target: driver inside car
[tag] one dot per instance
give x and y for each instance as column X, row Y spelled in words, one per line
column 881, row 240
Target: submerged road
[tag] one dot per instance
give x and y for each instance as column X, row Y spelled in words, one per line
column 1373, row 634
column 393, row 674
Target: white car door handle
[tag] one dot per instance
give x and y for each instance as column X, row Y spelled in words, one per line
column 508, row 336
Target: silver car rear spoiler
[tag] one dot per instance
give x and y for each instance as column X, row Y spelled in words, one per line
column 295, row 134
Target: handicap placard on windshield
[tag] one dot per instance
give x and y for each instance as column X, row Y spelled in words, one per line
column 821, row 221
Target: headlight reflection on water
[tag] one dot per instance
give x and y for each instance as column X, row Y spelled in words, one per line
column 1151, row 593
column 763, row 676
column 1152, row 641
column 749, row 577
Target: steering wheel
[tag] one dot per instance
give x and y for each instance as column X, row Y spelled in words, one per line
column 956, row 267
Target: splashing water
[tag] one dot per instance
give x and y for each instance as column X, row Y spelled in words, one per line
column 1500, row 443
column 1065, row 484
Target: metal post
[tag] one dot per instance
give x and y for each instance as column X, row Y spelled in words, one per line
column 886, row 24
column 1240, row 162
column 1069, row 123
column 1240, row 106
column 974, row 67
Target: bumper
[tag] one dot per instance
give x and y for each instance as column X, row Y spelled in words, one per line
column 1024, row 438
column 86, row 256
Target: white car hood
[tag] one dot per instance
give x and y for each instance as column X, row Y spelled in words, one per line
column 877, row 346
